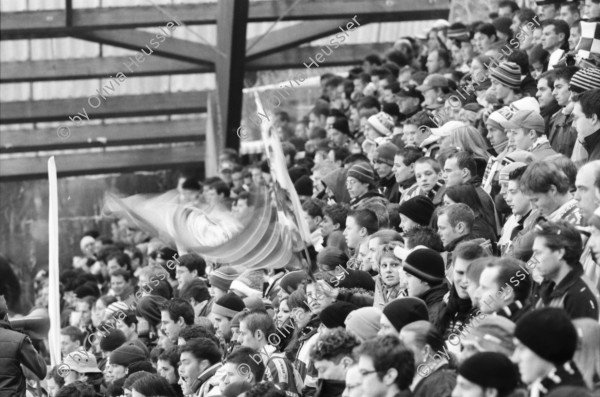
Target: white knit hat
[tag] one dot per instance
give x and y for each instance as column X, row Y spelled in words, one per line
column 382, row 122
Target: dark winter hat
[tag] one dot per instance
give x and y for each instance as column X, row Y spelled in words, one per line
column 87, row 289
column 585, row 80
column 502, row 25
column 549, row 333
column 149, row 308
column 304, row 186
column 425, row 264
column 362, row 172
column 334, row 315
column 490, row 369
column 140, row 366
column 228, row 305
column 403, row 311
column 126, row 355
column 508, row 74
column 356, row 279
column 385, row 153
column 223, row 277
column 419, row 209
column 332, row 257
column 290, row 282
column 112, row 340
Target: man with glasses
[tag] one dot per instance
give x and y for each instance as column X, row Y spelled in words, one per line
column 386, row 367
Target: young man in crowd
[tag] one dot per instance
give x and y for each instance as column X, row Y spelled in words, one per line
column 426, row 279
column 359, row 224
column 547, row 187
column 257, row 332
column 404, row 169
column 174, row 315
column 199, row 362
column 455, row 223
column 504, row 289
column 556, row 251
column 385, row 366
column 517, row 233
column 189, row 267
column 332, row 356
column 562, row 135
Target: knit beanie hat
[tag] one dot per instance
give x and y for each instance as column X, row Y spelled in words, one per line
column 139, row 366
column 304, row 186
column 334, row 315
column 585, row 80
column 403, row 311
column 249, row 283
column 549, row 333
column 290, row 282
column 223, row 277
column 117, row 307
column 364, row 322
column 362, row 172
column 112, row 340
column 85, row 241
column 332, row 257
column 490, row 369
column 508, row 74
column 425, row 264
column 418, row 209
column 149, row 308
column 491, row 333
column 228, row 305
column 382, row 123
column 386, row 152
column 496, row 120
column 126, row 355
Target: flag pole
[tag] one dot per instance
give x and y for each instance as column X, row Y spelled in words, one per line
column 53, row 270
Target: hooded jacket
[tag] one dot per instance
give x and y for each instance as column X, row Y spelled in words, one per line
column 336, row 182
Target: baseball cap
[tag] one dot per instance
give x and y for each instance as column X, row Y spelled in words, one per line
column 433, row 81
column 527, row 119
column 82, row 362
column 447, row 128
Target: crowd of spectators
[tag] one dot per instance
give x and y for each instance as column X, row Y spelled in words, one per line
column 452, row 190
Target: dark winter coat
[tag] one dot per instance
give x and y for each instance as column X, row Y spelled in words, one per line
column 16, row 349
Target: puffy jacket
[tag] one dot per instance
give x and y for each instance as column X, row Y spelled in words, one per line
column 16, row 349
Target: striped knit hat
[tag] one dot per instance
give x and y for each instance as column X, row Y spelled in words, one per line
column 362, row 172
column 584, row 80
column 223, row 277
column 382, row 123
column 508, row 74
